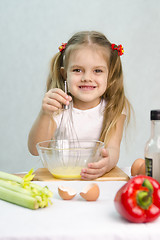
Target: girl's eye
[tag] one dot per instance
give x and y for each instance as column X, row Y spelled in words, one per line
column 98, row 70
column 77, row 70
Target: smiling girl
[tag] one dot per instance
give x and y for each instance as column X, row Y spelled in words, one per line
column 92, row 67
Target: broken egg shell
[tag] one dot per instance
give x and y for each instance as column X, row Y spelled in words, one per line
column 66, row 193
column 90, row 192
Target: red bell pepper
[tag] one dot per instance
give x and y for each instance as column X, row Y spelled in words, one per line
column 139, row 199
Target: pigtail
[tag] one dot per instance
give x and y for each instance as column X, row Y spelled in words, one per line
column 115, row 97
column 55, row 79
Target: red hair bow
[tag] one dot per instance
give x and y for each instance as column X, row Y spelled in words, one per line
column 119, row 49
column 62, row 47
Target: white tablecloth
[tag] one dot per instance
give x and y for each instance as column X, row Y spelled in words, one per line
column 74, row 219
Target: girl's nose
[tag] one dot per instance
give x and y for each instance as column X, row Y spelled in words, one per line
column 86, row 77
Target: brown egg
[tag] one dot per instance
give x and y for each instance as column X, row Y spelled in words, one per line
column 66, row 193
column 138, row 167
column 142, row 170
column 90, row 192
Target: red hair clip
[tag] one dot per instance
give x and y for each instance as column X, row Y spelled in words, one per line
column 62, row 47
column 119, row 49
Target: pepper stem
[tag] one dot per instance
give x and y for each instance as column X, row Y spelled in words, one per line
column 148, row 184
column 144, row 198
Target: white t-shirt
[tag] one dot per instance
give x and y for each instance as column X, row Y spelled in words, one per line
column 87, row 124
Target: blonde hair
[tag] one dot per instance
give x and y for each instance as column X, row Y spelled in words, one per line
column 114, row 94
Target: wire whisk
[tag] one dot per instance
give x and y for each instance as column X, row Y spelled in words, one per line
column 66, row 137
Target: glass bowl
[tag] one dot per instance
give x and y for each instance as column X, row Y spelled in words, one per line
column 65, row 158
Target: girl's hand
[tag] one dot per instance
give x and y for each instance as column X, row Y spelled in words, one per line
column 54, row 99
column 97, row 169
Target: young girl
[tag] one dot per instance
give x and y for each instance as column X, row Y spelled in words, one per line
column 91, row 65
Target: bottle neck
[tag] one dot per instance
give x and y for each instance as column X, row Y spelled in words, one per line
column 155, row 128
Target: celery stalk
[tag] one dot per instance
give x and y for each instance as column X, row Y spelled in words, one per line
column 18, row 198
column 23, row 192
column 10, row 177
column 14, row 187
column 45, row 189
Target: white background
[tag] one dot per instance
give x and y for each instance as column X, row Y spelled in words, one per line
column 30, row 33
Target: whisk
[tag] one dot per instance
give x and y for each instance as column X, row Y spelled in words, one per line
column 66, row 137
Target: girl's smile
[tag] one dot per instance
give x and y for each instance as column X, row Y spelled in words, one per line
column 87, row 87
column 87, row 75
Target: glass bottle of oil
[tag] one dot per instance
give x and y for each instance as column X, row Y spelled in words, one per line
column 152, row 148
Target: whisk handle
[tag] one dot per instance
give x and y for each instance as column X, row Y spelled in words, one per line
column 65, row 89
column 65, row 107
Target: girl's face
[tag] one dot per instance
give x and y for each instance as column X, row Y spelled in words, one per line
column 87, row 74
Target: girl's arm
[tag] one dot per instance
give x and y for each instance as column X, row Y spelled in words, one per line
column 42, row 129
column 44, row 126
column 115, row 142
column 110, row 156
